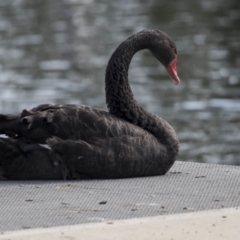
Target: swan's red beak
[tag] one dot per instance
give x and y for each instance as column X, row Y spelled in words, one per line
column 172, row 70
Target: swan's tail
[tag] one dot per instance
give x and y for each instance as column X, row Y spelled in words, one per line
column 21, row 160
column 9, row 124
column 8, row 152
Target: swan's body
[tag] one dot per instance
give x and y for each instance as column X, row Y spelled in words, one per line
column 88, row 142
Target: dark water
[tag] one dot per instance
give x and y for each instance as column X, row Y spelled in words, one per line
column 57, row 51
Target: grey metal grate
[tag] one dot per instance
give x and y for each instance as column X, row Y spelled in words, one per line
column 187, row 187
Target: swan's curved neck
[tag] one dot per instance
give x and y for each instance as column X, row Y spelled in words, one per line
column 119, row 96
column 120, row 99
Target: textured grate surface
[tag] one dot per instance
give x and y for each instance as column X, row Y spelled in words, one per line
column 187, row 187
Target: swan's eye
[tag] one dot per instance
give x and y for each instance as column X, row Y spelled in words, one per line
column 175, row 50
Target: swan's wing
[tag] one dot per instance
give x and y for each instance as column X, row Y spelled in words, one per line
column 73, row 122
column 116, row 157
column 90, row 142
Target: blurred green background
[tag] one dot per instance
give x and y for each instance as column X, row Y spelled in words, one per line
column 56, row 51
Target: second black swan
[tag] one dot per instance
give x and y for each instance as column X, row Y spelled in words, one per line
column 87, row 142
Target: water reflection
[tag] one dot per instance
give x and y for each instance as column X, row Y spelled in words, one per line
column 57, row 51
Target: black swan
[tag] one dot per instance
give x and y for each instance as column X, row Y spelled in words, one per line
column 86, row 142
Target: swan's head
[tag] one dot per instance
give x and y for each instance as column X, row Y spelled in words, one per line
column 164, row 49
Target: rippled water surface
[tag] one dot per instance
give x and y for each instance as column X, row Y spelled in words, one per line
column 57, row 51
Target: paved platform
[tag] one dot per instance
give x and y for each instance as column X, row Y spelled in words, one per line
column 220, row 224
column 188, row 187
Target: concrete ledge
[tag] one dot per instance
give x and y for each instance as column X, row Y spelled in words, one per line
column 214, row 225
